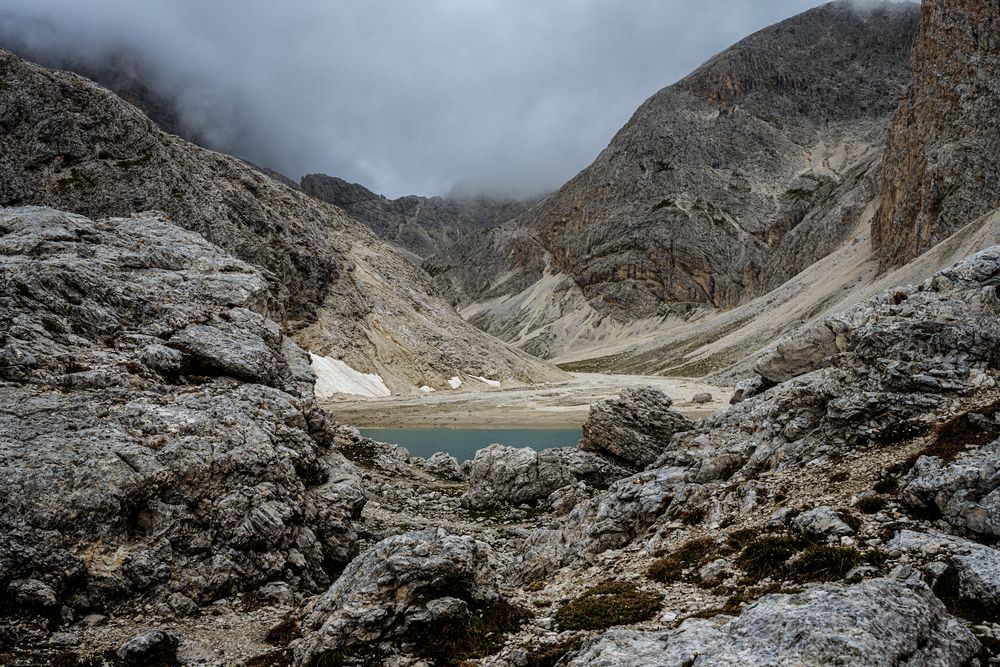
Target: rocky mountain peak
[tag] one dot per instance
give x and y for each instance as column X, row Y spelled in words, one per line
column 719, row 187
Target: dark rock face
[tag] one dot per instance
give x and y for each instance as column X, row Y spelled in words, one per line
column 420, row 225
column 143, row 455
column 720, row 186
column 635, row 428
column 70, row 144
column 156, row 647
column 940, row 169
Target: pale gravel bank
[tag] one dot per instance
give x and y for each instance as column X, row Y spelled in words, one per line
column 564, row 404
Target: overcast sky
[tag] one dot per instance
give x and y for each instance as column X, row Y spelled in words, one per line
column 405, row 96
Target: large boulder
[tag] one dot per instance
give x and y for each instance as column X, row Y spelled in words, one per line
column 633, row 429
column 406, row 586
column 138, row 459
column 502, row 475
column 799, row 354
column 875, row 622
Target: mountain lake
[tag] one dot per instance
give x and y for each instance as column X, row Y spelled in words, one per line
column 462, row 443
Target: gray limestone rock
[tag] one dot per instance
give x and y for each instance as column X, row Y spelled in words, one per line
column 822, row 522
column 965, row 491
column 140, row 483
column 966, row 572
column 444, row 465
column 502, row 475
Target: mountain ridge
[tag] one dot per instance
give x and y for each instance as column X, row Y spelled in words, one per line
column 703, row 201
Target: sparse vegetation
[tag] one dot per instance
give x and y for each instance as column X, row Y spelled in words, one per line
column 820, row 562
column 887, row 484
column 482, row 635
column 691, row 554
column 608, row 604
column 767, row 555
column 551, row 655
column 360, row 452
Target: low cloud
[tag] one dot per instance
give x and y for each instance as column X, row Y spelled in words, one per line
column 501, row 96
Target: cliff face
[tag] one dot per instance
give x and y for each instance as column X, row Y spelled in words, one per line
column 337, row 289
column 720, row 186
column 941, row 170
column 420, row 225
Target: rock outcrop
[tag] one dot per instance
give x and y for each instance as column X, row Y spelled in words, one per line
column 718, row 188
column 144, row 456
column 940, row 171
column 876, row 622
column 420, row 225
column 333, row 286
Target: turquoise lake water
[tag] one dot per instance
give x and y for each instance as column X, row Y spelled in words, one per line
column 462, row 443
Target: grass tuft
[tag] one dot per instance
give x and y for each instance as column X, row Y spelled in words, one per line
column 608, row 604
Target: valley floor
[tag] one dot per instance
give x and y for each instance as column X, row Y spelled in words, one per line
column 564, row 404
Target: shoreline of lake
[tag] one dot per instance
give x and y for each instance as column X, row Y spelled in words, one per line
column 565, row 405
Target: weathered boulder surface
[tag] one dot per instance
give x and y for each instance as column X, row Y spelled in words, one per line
column 822, row 522
column 141, row 456
column 417, row 583
column 875, row 622
column 634, row 428
column 502, row 475
column 966, row 491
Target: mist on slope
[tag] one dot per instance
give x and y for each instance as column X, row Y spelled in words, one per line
column 504, row 97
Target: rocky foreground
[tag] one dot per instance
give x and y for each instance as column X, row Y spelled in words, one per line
column 171, row 493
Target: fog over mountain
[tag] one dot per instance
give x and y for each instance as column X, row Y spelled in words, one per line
column 505, row 97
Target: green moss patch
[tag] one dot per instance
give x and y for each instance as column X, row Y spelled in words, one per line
column 608, row 604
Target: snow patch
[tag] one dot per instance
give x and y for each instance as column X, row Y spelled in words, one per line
column 455, row 382
column 426, row 389
column 333, row 377
column 492, row 383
